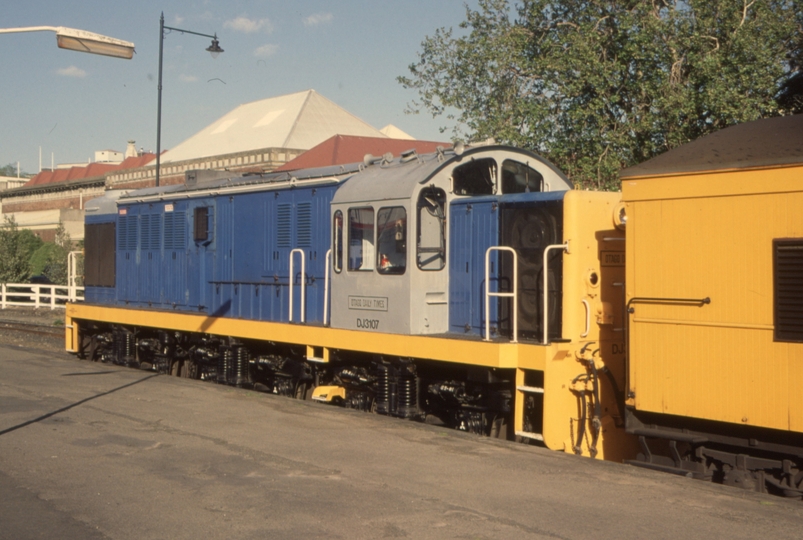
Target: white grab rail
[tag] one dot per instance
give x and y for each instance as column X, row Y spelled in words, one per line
column 489, row 294
column 545, row 268
column 72, row 271
column 303, row 283
column 326, row 289
column 588, row 317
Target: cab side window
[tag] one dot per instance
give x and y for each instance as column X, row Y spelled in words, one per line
column 361, row 239
column 520, row 178
column 478, row 177
column 337, row 242
column 391, row 240
column 431, row 240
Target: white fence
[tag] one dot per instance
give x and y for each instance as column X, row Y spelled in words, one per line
column 36, row 295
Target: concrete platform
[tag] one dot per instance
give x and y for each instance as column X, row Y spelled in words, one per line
column 97, row 451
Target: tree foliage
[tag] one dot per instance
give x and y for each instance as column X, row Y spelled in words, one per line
column 11, row 170
column 56, row 267
column 598, row 85
column 41, row 258
column 14, row 254
column 30, row 242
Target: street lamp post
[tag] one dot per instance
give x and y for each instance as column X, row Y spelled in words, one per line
column 82, row 41
column 214, row 49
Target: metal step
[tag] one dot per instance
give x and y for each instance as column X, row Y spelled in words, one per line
column 530, row 389
column 528, row 435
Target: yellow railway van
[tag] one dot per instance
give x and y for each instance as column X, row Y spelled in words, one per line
column 715, row 306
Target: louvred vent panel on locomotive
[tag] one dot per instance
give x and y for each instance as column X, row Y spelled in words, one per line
column 99, row 265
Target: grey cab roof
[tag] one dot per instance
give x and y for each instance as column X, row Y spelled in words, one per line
column 382, row 178
column 258, row 181
column 761, row 143
column 397, row 178
column 105, row 204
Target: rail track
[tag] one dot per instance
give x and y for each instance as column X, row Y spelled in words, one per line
column 48, row 331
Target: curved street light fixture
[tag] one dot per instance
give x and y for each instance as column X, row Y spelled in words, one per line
column 82, row 41
column 214, row 49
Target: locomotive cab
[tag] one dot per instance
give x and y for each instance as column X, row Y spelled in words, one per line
column 391, row 230
column 388, row 252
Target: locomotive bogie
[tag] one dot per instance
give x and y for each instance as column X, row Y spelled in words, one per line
column 475, row 399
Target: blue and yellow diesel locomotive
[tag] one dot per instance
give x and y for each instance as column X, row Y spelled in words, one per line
column 474, row 288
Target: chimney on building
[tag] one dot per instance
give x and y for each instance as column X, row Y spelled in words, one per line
column 131, row 150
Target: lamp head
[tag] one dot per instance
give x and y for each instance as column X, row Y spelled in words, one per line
column 214, row 49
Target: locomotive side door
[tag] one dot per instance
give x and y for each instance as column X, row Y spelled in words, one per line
column 201, row 255
column 429, row 302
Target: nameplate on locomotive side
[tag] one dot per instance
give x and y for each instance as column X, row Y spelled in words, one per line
column 368, row 303
column 612, row 258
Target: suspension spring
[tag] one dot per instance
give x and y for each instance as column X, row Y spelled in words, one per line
column 383, row 391
column 129, row 347
column 224, row 365
column 241, row 366
column 123, row 347
column 408, row 394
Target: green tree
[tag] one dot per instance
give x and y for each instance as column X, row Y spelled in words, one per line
column 30, row 242
column 41, row 257
column 11, row 170
column 56, row 267
column 14, row 257
column 599, row 85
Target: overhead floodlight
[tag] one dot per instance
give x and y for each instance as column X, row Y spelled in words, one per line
column 82, row 41
column 90, row 42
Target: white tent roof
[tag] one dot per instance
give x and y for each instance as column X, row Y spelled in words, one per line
column 298, row 121
column 395, row 133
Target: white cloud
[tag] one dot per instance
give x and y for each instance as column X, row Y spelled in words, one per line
column 266, row 50
column 249, row 26
column 187, row 78
column 318, row 18
column 72, row 71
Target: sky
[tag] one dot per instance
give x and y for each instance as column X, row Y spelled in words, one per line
column 72, row 104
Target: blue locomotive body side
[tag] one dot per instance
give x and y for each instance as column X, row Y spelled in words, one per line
column 256, row 234
column 227, row 251
column 223, row 255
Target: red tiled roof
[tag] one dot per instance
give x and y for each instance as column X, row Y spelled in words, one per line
column 343, row 149
column 90, row 171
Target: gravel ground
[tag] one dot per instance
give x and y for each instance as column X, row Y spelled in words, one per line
column 40, row 316
column 33, row 315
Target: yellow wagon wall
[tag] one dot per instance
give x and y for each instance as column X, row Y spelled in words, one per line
column 710, row 235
